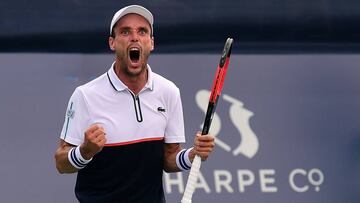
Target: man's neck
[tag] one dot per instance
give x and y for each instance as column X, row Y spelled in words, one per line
column 134, row 83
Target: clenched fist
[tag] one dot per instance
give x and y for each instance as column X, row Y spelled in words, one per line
column 94, row 141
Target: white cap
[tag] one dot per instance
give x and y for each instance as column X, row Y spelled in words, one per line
column 133, row 9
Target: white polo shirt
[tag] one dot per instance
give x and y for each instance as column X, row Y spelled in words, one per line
column 154, row 114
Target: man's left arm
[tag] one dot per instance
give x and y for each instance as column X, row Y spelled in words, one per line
column 203, row 146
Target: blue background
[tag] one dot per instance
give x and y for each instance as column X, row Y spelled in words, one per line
column 305, row 116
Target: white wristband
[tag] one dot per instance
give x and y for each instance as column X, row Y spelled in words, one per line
column 182, row 159
column 76, row 159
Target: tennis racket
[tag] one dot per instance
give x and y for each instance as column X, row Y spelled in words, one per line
column 214, row 96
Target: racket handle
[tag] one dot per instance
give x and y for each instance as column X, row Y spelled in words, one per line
column 190, row 185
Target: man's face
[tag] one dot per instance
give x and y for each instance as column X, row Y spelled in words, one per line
column 132, row 44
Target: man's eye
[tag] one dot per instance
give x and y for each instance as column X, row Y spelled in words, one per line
column 124, row 32
column 142, row 32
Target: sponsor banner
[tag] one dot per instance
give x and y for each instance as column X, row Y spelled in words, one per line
column 286, row 126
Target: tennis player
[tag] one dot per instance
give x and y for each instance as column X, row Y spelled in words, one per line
column 125, row 127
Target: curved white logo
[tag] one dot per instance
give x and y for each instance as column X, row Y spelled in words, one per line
column 240, row 118
column 224, row 178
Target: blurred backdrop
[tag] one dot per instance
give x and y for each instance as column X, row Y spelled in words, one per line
column 185, row 26
column 287, row 125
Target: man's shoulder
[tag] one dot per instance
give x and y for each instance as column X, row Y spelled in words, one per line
column 93, row 85
column 163, row 82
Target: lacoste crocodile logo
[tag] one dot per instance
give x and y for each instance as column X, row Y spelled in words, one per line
column 161, row 109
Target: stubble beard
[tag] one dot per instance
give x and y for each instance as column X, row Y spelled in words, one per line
column 125, row 66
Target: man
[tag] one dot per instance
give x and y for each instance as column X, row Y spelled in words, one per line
column 125, row 127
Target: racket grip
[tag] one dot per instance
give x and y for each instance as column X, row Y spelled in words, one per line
column 190, row 185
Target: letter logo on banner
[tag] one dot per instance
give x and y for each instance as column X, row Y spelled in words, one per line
column 240, row 118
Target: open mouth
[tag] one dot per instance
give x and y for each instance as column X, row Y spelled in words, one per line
column 134, row 55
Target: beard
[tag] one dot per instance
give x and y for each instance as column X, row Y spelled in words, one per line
column 126, row 66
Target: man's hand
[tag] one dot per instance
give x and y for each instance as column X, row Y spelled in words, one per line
column 203, row 146
column 94, row 141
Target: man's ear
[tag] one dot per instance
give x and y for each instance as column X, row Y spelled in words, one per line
column 152, row 43
column 111, row 43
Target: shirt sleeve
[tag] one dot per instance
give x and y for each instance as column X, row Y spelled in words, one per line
column 175, row 132
column 76, row 119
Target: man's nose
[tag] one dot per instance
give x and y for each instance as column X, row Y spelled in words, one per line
column 134, row 37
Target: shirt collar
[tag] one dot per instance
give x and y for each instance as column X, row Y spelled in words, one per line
column 118, row 85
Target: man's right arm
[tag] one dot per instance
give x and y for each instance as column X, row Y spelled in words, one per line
column 61, row 157
column 94, row 141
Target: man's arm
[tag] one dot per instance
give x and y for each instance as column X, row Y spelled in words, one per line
column 203, row 146
column 61, row 157
column 94, row 141
column 170, row 152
